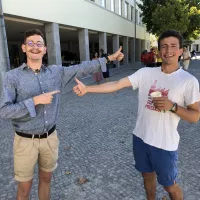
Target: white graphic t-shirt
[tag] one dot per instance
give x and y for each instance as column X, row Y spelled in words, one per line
column 157, row 128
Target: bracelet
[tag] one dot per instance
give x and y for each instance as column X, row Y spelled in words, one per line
column 108, row 60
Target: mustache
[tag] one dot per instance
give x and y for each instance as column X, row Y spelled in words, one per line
column 34, row 51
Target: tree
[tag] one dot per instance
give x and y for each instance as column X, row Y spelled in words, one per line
column 148, row 8
column 193, row 30
column 181, row 15
column 170, row 16
column 193, row 3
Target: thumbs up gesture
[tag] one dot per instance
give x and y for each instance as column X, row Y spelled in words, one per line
column 118, row 55
column 80, row 88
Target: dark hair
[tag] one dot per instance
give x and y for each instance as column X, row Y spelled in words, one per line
column 31, row 32
column 101, row 50
column 95, row 53
column 171, row 33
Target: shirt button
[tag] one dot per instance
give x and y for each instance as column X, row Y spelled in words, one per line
column 46, row 121
column 40, row 82
column 45, row 112
column 43, row 92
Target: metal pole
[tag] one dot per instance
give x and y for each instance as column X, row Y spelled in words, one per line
column 134, row 46
column 4, row 56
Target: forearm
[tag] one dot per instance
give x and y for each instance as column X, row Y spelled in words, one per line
column 89, row 67
column 18, row 110
column 103, row 88
column 188, row 114
column 83, row 69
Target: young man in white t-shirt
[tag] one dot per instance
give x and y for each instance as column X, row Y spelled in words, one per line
column 155, row 137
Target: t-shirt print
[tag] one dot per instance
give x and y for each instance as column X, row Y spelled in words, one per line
column 153, row 88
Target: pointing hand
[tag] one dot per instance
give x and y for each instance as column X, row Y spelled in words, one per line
column 45, row 98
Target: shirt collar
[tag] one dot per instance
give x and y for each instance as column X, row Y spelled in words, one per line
column 25, row 66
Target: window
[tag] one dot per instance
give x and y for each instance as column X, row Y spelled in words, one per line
column 136, row 20
column 120, row 7
column 131, row 13
column 112, row 6
column 103, row 3
column 126, row 10
column 140, row 19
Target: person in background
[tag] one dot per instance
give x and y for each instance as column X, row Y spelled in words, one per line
column 98, row 75
column 158, row 58
column 151, row 58
column 144, row 58
column 193, row 54
column 106, row 74
column 186, row 56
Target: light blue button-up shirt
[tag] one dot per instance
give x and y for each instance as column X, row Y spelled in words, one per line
column 22, row 84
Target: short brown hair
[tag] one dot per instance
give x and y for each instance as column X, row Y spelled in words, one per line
column 31, row 32
column 171, row 33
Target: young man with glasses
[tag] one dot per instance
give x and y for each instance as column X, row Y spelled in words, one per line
column 30, row 98
column 155, row 137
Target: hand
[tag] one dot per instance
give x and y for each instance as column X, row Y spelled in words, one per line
column 79, row 89
column 162, row 103
column 45, row 98
column 118, row 55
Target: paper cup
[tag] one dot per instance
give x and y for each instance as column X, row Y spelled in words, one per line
column 156, row 94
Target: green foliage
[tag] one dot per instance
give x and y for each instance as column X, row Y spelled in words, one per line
column 181, row 15
column 193, row 31
column 170, row 16
column 192, row 3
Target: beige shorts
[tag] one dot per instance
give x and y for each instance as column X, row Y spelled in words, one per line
column 27, row 152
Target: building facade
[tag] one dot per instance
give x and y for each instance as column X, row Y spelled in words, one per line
column 74, row 29
column 195, row 46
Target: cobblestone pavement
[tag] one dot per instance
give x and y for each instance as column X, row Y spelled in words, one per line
column 95, row 134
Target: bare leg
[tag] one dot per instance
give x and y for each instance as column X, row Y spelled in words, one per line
column 175, row 192
column 23, row 190
column 44, row 186
column 150, row 185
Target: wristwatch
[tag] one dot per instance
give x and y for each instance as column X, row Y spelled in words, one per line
column 174, row 108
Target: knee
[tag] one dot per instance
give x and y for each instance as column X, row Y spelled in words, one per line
column 149, row 176
column 170, row 189
column 174, row 189
column 45, row 179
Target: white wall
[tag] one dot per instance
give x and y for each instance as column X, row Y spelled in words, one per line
column 78, row 13
column 197, row 42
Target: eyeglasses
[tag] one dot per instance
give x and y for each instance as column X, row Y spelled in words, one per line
column 32, row 44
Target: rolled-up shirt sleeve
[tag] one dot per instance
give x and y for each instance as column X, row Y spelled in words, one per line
column 83, row 69
column 9, row 107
